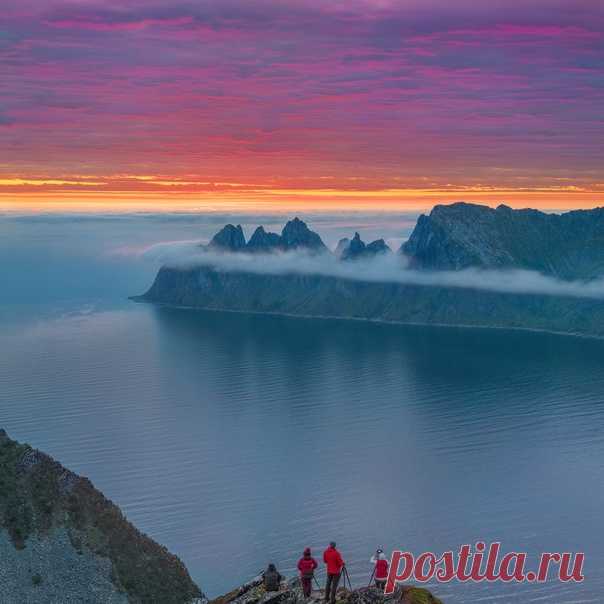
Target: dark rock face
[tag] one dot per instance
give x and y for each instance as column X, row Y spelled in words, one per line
column 356, row 248
column 296, row 235
column 229, row 238
column 41, row 502
column 342, row 246
column 261, row 241
column 378, row 246
column 568, row 246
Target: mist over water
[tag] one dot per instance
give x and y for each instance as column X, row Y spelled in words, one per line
column 237, row 440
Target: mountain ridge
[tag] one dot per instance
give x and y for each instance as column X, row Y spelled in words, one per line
column 295, row 235
column 455, row 238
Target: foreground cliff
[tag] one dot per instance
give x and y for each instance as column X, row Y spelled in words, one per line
column 62, row 541
column 567, row 250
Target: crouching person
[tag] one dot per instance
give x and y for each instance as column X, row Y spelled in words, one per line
column 271, row 578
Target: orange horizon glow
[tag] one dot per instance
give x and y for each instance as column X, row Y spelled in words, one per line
column 162, row 194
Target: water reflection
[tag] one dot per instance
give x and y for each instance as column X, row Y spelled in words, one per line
column 246, row 437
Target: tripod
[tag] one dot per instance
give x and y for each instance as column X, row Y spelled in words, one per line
column 346, row 578
column 371, row 578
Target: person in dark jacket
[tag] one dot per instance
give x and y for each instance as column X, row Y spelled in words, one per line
column 272, row 579
column 335, row 564
column 381, row 569
column 306, row 566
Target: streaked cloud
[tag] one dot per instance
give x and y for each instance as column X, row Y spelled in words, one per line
column 41, row 182
column 278, row 96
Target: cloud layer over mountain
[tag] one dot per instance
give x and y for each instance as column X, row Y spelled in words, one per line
column 387, row 268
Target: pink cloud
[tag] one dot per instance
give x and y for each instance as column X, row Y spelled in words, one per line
column 438, row 88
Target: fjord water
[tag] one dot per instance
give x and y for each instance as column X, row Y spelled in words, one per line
column 239, row 439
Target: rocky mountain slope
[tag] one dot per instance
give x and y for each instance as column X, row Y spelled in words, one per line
column 62, row 541
column 295, row 236
column 462, row 235
column 355, row 248
column 452, row 238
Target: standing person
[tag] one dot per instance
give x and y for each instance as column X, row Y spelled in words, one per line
column 306, row 566
column 335, row 564
column 381, row 568
column 272, row 578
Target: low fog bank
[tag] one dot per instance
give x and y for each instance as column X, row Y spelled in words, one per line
column 142, row 226
column 390, row 268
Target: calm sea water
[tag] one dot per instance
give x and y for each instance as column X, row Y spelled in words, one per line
column 238, row 439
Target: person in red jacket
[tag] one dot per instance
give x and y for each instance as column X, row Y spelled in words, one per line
column 335, row 564
column 381, row 569
column 306, row 566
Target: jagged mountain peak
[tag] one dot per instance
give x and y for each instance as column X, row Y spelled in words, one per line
column 356, row 248
column 230, row 238
column 261, row 241
column 379, row 246
column 342, row 245
column 296, row 234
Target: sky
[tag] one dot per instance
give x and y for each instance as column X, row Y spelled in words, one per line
column 283, row 104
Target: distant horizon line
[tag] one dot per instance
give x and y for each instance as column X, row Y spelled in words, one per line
column 63, row 202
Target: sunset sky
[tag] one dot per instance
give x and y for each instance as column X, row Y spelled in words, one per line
column 287, row 103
